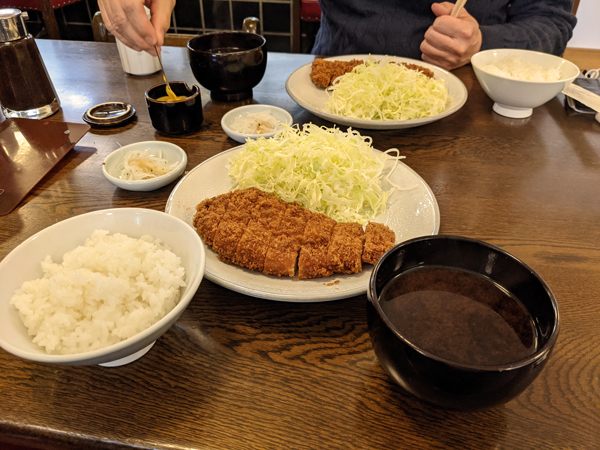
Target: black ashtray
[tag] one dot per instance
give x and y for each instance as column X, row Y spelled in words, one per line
column 179, row 116
column 229, row 64
column 459, row 323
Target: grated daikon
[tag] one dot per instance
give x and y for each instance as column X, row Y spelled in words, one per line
column 261, row 122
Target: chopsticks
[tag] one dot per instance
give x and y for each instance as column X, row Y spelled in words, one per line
column 457, row 7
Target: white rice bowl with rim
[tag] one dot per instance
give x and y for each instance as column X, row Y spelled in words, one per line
column 103, row 292
column 23, row 264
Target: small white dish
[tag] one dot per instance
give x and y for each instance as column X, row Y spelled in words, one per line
column 281, row 115
column 171, row 152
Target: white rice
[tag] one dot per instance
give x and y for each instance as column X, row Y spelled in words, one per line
column 103, row 292
column 514, row 67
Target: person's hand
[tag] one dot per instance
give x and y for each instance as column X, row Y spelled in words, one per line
column 128, row 22
column 451, row 41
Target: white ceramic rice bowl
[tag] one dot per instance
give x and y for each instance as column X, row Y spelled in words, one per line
column 23, row 264
column 517, row 98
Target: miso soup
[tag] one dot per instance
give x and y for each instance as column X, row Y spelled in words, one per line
column 460, row 316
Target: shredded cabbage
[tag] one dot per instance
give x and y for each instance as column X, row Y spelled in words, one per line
column 138, row 165
column 324, row 169
column 386, row 91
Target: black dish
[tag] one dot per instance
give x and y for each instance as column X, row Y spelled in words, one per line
column 182, row 116
column 442, row 382
column 228, row 64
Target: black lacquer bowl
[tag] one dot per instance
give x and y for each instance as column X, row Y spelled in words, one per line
column 229, row 64
column 175, row 117
column 441, row 381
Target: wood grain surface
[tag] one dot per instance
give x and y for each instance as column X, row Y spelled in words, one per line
column 237, row 372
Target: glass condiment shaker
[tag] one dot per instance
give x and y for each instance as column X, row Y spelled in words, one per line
column 25, row 87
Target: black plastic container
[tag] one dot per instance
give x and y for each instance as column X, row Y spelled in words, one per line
column 175, row 117
column 229, row 64
column 442, row 382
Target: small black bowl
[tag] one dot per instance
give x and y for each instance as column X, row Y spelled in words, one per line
column 229, row 64
column 175, row 117
column 432, row 370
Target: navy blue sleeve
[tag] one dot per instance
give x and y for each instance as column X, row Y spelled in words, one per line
column 541, row 25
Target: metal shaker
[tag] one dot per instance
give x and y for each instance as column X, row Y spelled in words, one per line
column 25, row 87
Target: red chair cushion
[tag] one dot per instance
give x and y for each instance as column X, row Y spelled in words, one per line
column 35, row 5
column 310, row 11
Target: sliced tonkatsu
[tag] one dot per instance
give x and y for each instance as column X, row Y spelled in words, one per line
column 254, row 243
column 346, row 248
column 233, row 224
column 378, row 240
column 256, row 230
column 282, row 256
column 209, row 214
column 313, row 261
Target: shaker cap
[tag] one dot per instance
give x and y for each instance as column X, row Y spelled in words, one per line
column 12, row 25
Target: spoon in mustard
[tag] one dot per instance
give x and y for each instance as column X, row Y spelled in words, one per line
column 170, row 92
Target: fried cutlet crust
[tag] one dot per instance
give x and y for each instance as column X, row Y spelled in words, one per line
column 233, row 224
column 282, row 256
column 256, row 230
column 254, row 243
column 378, row 240
column 313, row 261
column 324, row 72
column 346, row 248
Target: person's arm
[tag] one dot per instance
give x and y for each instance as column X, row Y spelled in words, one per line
column 541, row 25
column 128, row 22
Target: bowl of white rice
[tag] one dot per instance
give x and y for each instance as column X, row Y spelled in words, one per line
column 98, row 288
column 520, row 80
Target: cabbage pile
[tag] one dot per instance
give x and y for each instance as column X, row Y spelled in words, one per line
column 324, row 169
column 386, row 91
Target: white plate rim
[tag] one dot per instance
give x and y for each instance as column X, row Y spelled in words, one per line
column 327, row 295
column 300, row 97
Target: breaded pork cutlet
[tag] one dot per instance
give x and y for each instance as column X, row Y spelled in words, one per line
column 254, row 243
column 233, row 224
column 208, row 215
column 313, row 261
column 282, row 256
column 346, row 247
column 378, row 240
column 260, row 232
column 323, row 72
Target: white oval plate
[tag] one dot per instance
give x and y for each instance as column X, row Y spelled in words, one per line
column 313, row 98
column 410, row 213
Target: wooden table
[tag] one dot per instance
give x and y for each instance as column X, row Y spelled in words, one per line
column 237, row 372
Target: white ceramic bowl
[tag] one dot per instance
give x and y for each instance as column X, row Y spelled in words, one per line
column 23, row 264
column 517, row 98
column 171, row 152
column 281, row 115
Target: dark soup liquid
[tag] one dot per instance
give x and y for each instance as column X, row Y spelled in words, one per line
column 460, row 316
